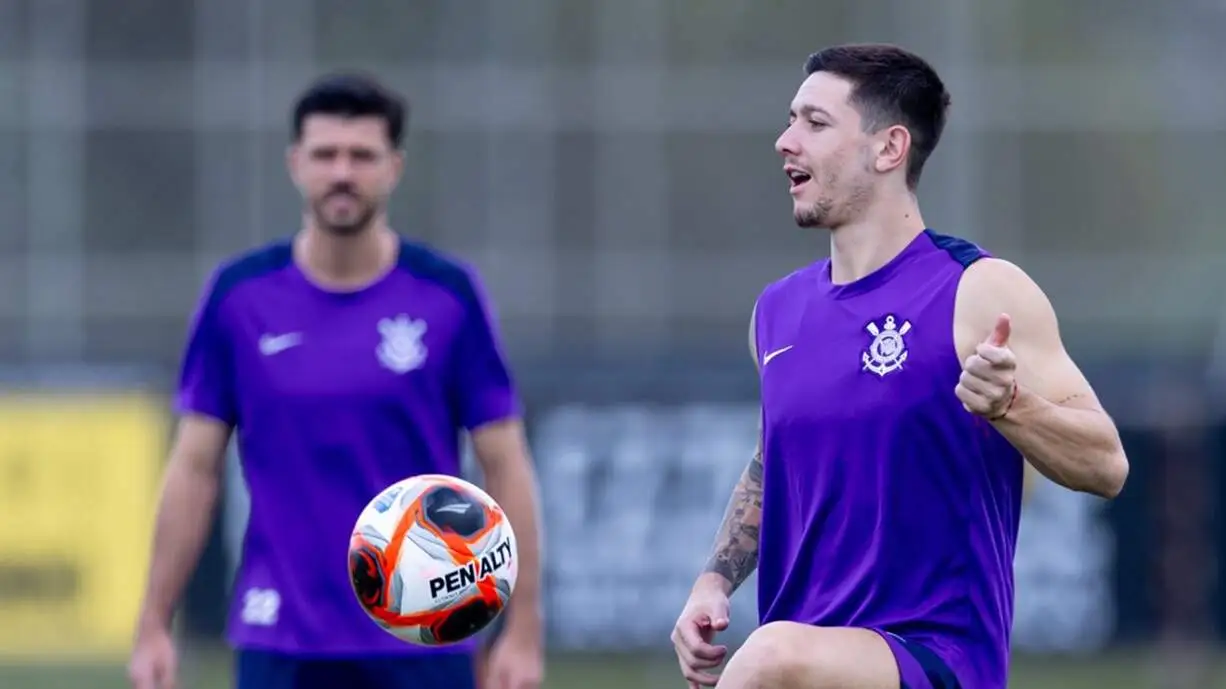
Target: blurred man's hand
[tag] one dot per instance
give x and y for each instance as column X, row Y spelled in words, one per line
column 154, row 663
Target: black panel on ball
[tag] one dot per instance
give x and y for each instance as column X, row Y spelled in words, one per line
column 466, row 620
column 451, row 510
column 366, row 572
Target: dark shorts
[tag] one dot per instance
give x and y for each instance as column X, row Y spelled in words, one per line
column 270, row 670
column 918, row 666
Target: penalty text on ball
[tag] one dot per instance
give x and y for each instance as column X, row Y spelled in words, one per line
column 472, row 572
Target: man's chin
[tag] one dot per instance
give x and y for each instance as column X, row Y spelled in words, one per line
column 818, row 213
column 345, row 223
column 806, row 215
column 344, row 229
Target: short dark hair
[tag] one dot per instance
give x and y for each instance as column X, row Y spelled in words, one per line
column 352, row 94
column 891, row 86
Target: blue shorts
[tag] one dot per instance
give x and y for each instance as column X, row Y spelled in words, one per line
column 918, row 666
column 271, row 670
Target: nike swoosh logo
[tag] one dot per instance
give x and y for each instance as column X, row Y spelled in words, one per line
column 771, row 355
column 275, row 344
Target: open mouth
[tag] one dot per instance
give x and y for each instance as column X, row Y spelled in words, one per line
column 797, row 177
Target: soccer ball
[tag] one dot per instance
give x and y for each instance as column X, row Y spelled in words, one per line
column 433, row 560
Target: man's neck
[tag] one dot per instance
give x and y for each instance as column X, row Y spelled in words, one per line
column 860, row 248
column 345, row 262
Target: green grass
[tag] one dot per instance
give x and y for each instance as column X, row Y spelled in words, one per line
column 210, row 670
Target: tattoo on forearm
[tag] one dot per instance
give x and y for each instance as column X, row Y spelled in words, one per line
column 736, row 547
column 1068, row 399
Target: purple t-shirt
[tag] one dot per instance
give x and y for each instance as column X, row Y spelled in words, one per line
column 886, row 504
column 334, row 397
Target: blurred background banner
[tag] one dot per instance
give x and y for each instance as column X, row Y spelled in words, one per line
column 80, row 467
column 608, row 166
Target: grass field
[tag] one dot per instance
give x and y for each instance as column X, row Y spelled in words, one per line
column 210, row 670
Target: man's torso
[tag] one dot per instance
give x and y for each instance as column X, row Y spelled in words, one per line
column 886, row 504
column 336, row 396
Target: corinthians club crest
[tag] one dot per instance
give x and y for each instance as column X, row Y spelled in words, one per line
column 401, row 350
column 888, row 351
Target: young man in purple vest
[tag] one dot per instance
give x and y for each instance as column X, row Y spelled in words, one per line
column 346, row 358
column 904, row 383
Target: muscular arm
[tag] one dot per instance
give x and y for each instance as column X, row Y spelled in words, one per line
column 189, row 495
column 1056, row 420
column 735, row 555
column 736, row 547
column 502, row 452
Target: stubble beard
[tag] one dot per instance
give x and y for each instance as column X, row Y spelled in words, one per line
column 357, row 224
column 815, row 214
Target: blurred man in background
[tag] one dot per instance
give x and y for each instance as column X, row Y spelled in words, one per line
column 347, row 359
column 903, row 381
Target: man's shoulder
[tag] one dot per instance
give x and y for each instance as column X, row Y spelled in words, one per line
column 801, row 279
column 248, row 265
column 784, row 295
column 996, row 283
column 993, row 286
column 449, row 272
column 962, row 251
column 252, row 263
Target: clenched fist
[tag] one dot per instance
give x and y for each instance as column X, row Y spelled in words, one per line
column 988, row 385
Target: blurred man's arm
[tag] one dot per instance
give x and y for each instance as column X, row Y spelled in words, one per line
column 189, row 495
column 207, row 405
column 502, row 451
column 490, row 410
column 1055, row 418
column 488, row 407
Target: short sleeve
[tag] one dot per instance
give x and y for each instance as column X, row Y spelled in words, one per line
column 206, row 374
column 485, row 389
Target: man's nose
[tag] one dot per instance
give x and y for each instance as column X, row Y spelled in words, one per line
column 342, row 167
column 785, row 145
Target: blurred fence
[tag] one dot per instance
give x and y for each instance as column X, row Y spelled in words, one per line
column 566, row 146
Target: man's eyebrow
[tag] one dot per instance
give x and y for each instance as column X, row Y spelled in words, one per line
column 806, row 110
